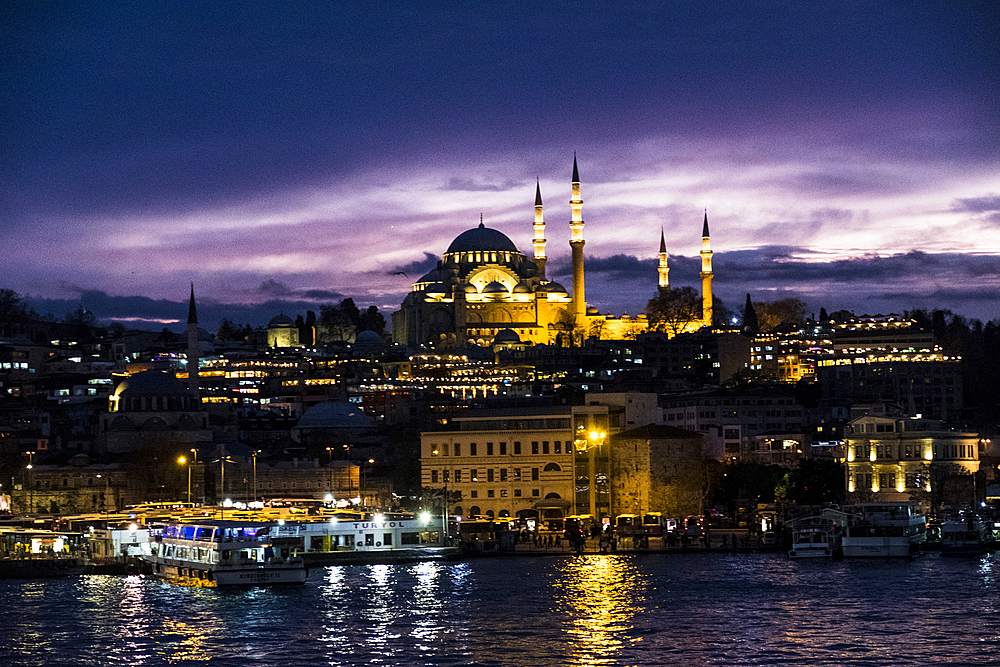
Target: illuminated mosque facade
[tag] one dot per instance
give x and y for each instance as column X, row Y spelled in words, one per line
column 484, row 290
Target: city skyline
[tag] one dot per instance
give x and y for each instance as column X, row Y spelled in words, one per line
column 285, row 158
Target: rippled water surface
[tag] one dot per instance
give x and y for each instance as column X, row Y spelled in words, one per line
column 699, row 609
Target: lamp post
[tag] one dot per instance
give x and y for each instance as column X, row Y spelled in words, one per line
column 256, row 452
column 194, row 462
column 181, row 460
column 31, row 499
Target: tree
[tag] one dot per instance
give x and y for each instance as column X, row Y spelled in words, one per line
column 372, row 320
column 307, row 332
column 339, row 323
column 674, row 311
column 721, row 316
column 750, row 325
column 772, row 314
column 227, row 330
column 816, row 481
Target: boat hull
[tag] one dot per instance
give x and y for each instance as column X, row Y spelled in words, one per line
column 199, row 576
column 810, row 551
column 862, row 547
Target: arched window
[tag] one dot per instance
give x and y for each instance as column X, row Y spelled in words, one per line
column 552, row 467
column 457, row 510
column 474, row 510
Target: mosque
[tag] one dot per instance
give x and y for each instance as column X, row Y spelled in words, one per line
column 484, row 287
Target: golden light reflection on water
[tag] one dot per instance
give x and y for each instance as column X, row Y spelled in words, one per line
column 602, row 595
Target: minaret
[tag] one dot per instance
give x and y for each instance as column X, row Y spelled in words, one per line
column 539, row 240
column 663, row 269
column 192, row 348
column 706, row 275
column 576, row 244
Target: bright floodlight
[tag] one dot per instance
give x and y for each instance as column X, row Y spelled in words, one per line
column 425, row 518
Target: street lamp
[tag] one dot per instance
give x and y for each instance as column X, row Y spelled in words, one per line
column 194, row 462
column 181, row 460
column 31, row 498
column 256, row 452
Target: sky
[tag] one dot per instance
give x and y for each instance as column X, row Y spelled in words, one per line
column 282, row 156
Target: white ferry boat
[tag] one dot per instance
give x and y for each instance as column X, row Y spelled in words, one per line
column 814, row 537
column 221, row 553
column 883, row 530
column 366, row 538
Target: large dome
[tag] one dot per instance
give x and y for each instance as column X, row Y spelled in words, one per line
column 151, row 383
column 482, row 238
column 334, row 414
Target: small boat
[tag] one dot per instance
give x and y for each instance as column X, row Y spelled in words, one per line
column 220, row 553
column 813, row 537
column 883, row 530
column 969, row 536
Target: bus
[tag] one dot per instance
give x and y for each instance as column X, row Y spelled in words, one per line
column 584, row 522
column 655, row 524
column 628, row 525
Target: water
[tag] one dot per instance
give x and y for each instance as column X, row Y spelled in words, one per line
column 655, row 609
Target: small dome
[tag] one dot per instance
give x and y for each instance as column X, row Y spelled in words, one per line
column 367, row 339
column 482, row 238
column 471, row 289
column 281, row 322
column 591, row 310
column 521, row 288
column 506, row 336
column 555, row 288
column 334, row 414
column 495, row 287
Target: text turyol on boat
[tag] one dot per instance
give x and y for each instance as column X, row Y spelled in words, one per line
column 220, row 553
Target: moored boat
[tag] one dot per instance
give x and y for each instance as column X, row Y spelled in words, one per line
column 968, row 536
column 883, row 530
column 814, row 537
column 220, row 553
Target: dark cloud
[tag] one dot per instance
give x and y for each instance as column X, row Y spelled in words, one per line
column 416, row 268
column 274, row 288
column 985, row 204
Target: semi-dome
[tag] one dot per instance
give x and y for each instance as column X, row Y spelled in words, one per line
column 470, row 289
column 482, row 238
column 495, row 287
column 334, row 414
column 280, row 322
column 522, row 288
column 432, row 276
